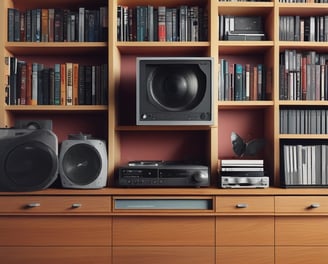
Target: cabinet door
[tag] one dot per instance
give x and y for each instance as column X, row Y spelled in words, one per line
column 163, row 255
column 55, row 255
column 55, row 231
column 301, row 254
column 55, row 239
column 163, row 231
column 163, row 239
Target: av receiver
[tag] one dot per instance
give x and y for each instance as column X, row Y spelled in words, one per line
column 162, row 174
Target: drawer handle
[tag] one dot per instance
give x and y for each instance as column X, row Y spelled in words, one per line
column 314, row 205
column 76, row 205
column 33, row 205
column 241, row 205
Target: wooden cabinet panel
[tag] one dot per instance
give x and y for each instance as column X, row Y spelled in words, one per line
column 55, row 255
column 55, row 204
column 301, row 204
column 163, row 255
column 238, row 255
column 301, row 230
column 245, row 204
column 55, row 231
column 245, row 230
column 163, row 231
column 300, row 255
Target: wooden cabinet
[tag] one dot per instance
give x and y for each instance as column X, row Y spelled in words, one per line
column 245, row 229
column 300, row 226
column 69, row 229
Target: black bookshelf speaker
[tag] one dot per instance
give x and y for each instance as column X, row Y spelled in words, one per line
column 28, row 159
column 83, row 164
column 174, row 91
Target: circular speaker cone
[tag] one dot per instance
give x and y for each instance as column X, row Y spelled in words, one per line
column 30, row 166
column 176, row 87
column 81, row 164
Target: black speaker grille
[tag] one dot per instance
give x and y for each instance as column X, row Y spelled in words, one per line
column 176, row 87
column 82, row 164
column 30, row 166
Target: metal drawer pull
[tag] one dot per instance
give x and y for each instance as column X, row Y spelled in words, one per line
column 76, row 205
column 241, row 205
column 33, row 205
column 314, row 205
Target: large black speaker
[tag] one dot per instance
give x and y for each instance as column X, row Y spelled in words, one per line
column 83, row 163
column 28, row 159
column 174, row 91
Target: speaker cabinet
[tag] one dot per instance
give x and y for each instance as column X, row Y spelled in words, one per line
column 83, row 164
column 174, row 91
column 28, row 159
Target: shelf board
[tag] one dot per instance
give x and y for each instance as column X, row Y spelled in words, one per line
column 303, row 45
column 242, row 47
column 244, row 104
column 302, row 9
column 303, row 136
column 241, row 8
column 164, row 48
column 56, row 108
column 162, row 128
column 312, row 103
column 54, row 48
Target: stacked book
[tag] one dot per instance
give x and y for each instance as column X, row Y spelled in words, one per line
column 242, row 173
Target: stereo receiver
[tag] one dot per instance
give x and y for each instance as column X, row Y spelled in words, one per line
column 162, row 174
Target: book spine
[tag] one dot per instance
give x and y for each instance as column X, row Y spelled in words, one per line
column 69, row 83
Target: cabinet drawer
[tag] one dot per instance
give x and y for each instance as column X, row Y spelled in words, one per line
column 301, row 230
column 297, row 255
column 245, row 204
column 245, row 230
column 55, row 204
column 163, row 231
column 44, row 230
column 238, row 255
column 301, row 204
column 55, row 255
column 163, row 255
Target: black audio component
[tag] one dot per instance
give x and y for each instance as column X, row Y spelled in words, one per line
column 163, row 174
column 34, row 124
column 174, row 91
column 83, row 163
column 28, row 159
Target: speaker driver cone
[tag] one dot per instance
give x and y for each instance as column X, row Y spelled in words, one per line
column 27, row 164
column 175, row 88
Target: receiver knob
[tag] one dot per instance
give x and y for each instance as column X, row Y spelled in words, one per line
column 200, row 177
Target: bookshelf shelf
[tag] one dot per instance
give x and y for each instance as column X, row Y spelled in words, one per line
column 163, row 48
column 52, row 108
column 55, row 48
column 244, row 104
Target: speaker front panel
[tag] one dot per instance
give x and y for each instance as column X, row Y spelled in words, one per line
column 83, row 164
column 28, row 160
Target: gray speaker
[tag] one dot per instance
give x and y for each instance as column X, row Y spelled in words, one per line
column 83, row 164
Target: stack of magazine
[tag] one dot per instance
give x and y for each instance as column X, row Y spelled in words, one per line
column 243, row 173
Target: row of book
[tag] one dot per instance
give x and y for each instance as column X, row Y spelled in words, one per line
column 242, row 82
column 60, row 84
column 297, row 28
column 303, row 75
column 303, row 121
column 305, row 165
column 162, row 23
column 58, row 25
